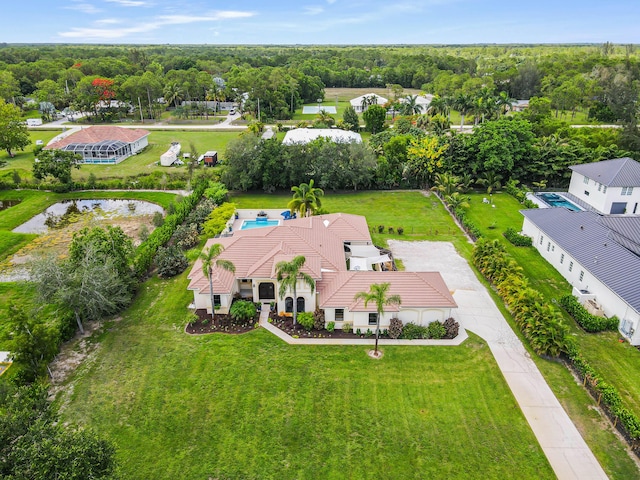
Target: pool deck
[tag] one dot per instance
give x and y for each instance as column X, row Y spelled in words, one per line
column 252, row 214
column 568, row 196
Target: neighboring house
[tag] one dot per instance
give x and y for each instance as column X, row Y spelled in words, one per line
column 103, row 145
column 423, row 100
column 306, row 135
column 519, row 105
column 598, row 255
column 325, row 242
column 360, row 105
column 610, row 186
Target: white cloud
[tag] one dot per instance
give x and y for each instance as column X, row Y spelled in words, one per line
column 313, row 10
column 331, row 2
column 107, row 21
column 84, row 8
column 91, row 33
column 130, row 3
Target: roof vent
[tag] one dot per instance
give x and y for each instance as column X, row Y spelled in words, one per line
column 581, row 227
column 326, row 223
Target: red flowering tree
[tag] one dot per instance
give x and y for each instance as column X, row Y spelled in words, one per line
column 103, row 87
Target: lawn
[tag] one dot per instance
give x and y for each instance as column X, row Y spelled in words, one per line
column 145, row 162
column 422, row 218
column 251, row 406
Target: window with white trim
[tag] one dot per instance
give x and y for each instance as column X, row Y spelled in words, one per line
column 627, row 190
column 586, row 180
column 570, row 266
column 599, row 187
column 339, row 314
column 541, row 239
column 605, row 189
column 581, row 274
column 562, row 258
column 373, row 317
column 548, row 246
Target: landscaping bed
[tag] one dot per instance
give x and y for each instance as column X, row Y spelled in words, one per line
column 222, row 323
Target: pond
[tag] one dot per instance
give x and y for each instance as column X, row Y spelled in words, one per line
column 63, row 213
column 4, row 204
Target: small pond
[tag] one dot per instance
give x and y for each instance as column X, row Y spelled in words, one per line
column 4, row 204
column 61, row 214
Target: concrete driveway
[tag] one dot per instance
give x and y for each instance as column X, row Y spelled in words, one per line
column 561, row 442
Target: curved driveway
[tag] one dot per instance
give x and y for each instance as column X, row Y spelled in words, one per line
column 560, row 440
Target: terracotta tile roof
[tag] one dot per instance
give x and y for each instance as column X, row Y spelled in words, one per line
column 416, row 289
column 97, row 134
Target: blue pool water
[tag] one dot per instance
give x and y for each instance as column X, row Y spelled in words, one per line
column 247, row 224
column 554, row 200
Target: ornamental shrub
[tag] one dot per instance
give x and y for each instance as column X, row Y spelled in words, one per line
column 331, row 326
column 306, row 320
column 217, row 220
column 170, row 261
column 516, row 239
column 347, row 327
column 436, row 330
column 395, row 328
column 452, row 327
column 186, row 236
column 243, row 310
column 158, row 219
column 590, row 323
column 216, row 192
column 318, row 319
column 411, row 331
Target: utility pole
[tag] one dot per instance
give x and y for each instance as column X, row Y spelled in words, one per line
column 140, row 107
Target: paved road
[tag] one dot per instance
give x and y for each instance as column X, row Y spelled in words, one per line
column 560, row 440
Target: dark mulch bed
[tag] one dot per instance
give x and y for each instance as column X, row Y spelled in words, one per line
column 286, row 325
column 220, row 324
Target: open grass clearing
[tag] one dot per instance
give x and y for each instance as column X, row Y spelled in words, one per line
column 251, row 406
column 22, row 162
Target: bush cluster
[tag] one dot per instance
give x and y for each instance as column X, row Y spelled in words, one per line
column 306, row 320
column 590, row 323
column 318, row 319
column 217, row 220
column 170, row 261
column 435, row 331
column 243, row 310
column 186, row 236
column 540, row 322
column 471, row 228
column 452, row 327
column 146, row 251
column 347, row 327
column 516, row 239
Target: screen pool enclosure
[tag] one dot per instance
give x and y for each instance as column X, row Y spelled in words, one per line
column 106, row 151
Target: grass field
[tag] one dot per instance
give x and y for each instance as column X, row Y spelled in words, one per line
column 145, row 162
column 251, row 406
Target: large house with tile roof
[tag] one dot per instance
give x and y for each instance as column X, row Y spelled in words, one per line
column 103, row 144
column 325, row 241
column 597, row 250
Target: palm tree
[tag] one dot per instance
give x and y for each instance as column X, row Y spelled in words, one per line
column 464, row 104
column 325, row 118
column 455, row 201
column 288, row 274
column 209, row 261
column 504, row 102
column 410, row 105
column 173, row 93
column 438, row 105
column 306, row 199
column 446, row 183
column 378, row 293
column 490, row 180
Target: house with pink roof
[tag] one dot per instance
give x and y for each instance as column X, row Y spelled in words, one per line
column 329, row 244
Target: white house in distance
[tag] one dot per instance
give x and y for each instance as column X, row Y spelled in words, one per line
column 597, row 250
column 423, row 100
column 326, row 242
column 103, row 144
column 360, row 105
column 306, row 135
column 611, row 186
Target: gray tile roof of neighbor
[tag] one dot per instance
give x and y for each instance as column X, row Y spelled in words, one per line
column 619, row 172
column 624, row 229
column 583, row 237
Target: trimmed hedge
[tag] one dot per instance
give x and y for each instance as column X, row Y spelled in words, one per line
column 590, row 323
column 516, row 239
column 471, row 228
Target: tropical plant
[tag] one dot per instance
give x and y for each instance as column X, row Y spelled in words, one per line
column 378, row 293
column 243, row 310
column 410, row 106
column 463, row 102
column 288, row 274
column 395, row 328
column 306, row 199
column 455, row 201
column 171, row 261
column 210, row 260
column 306, row 320
column 490, row 180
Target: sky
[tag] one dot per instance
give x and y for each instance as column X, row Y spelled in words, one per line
column 319, row 21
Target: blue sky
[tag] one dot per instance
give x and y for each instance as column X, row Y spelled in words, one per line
column 319, row 21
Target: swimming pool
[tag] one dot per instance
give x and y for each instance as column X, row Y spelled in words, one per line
column 249, row 224
column 555, row 200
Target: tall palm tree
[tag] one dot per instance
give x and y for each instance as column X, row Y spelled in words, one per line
column 438, row 106
column 464, row 104
column 324, row 117
column 378, row 293
column 410, row 105
column 446, row 183
column 306, row 199
column 288, row 274
column 209, row 261
column 490, row 180
column 173, row 94
column 504, row 102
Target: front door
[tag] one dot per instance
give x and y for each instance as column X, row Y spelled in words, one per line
column 266, row 291
column 618, row 207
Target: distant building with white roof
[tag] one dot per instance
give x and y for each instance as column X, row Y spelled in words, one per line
column 306, row 135
column 361, row 103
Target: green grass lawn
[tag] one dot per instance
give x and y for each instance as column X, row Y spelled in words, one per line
column 251, row 406
column 23, row 160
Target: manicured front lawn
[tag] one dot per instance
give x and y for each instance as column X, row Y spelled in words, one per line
column 250, row 406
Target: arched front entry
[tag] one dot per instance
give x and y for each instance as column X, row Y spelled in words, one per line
column 300, row 305
column 266, row 291
column 288, row 304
